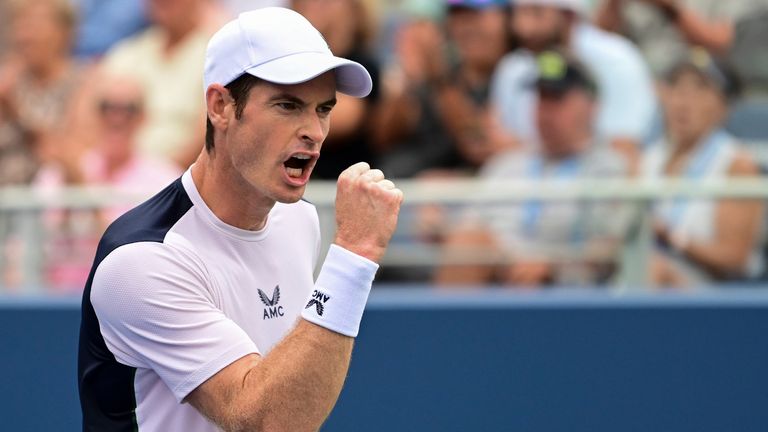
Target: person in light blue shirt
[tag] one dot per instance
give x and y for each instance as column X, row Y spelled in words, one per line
column 537, row 243
column 627, row 103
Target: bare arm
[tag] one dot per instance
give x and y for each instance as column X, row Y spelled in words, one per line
column 295, row 386
column 716, row 36
column 738, row 225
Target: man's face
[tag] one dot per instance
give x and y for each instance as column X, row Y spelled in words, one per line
column 38, row 34
column 565, row 120
column 693, row 106
column 120, row 113
column 273, row 147
column 539, row 28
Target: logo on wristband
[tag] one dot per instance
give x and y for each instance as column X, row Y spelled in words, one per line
column 319, row 299
column 272, row 309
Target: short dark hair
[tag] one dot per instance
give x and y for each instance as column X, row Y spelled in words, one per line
column 239, row 89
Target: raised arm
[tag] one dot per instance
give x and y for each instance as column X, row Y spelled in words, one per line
column 296, row 385
column 715, row 35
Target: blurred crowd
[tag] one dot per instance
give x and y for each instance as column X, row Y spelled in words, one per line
column 109, row 92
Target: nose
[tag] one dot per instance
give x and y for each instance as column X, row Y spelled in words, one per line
column 313, row 130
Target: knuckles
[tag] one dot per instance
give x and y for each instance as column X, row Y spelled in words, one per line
column 351, row 185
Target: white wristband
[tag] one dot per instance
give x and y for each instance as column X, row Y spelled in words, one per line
column 341, row 291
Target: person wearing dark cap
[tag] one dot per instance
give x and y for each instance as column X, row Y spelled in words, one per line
column 617, row 66
column 531, row 235
column 201, row 312
column 702, row 240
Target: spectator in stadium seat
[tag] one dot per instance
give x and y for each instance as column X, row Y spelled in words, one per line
column 167, row 59
column 529, row 236
column 618, row 66
column 702, row 240
column 433, row 114
column 348, row 28
column 115, row 162
column 664, row 30
column 39, row 85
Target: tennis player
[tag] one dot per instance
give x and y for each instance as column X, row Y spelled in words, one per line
column 201, row 312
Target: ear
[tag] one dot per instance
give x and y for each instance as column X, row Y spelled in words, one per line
column 219, row 105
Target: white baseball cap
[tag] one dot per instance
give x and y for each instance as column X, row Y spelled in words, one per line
column 280, row 46
column 578, row 6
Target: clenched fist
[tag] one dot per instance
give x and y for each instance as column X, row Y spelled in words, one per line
column 367, row 206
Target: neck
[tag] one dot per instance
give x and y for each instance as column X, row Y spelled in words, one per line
column 177, row 33
column 227, row 195
column 682, row 145
column 682, row 150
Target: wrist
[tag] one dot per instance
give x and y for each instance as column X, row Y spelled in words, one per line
column 341, row 292
column 370, row 252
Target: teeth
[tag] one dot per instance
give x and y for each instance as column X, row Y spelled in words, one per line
column 302, row 157
column 294, row 172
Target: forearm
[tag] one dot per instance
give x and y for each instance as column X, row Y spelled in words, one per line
column 293, row 388
column 721, row 259
column 738, row 224
column 716, row 36
column 297, row 384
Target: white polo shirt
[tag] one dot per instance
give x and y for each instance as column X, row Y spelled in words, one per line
column 175, row 295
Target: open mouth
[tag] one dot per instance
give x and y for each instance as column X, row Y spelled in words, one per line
column 297, row 164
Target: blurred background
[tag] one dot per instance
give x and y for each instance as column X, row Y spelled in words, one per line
column 585, row 214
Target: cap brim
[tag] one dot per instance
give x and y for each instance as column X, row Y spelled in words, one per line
column 351, row 77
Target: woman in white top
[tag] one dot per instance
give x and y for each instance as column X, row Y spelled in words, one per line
column 702, row 240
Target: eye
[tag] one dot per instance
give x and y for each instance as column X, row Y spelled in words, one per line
column 287, row 106
column 324, row 109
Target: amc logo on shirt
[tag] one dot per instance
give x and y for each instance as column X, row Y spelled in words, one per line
column 272, row 309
